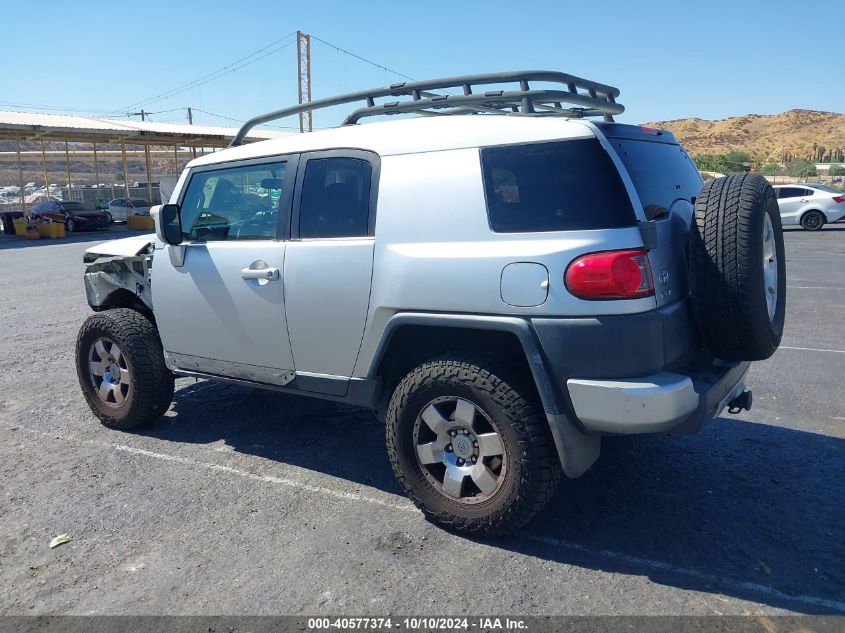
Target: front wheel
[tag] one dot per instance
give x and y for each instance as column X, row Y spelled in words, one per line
column 70, row 225
column 469, row 444
column 812, row 221
column 120, row 364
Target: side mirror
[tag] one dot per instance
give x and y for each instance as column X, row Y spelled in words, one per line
column 167, row 222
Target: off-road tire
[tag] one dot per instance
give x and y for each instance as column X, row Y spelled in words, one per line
column 812, row 220
column 533, row 467
column 727, row 289
column 151, row 383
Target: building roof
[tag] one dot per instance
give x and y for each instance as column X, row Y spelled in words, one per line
column 61, row 127
column 413, row 135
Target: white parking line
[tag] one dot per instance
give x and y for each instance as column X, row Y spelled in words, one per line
column 656, row 565
column 816, row 287
column 284, row 481
column 813, row 349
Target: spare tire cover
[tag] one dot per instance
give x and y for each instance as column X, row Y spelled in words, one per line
column 737, row 268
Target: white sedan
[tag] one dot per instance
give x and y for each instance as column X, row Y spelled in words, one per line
column 811, row 206
column 122, row 208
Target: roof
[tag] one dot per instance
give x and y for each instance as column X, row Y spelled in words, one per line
column 415, row 135
column 52, row 127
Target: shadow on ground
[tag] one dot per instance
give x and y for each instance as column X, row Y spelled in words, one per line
column 113, row 233
column 741, row 504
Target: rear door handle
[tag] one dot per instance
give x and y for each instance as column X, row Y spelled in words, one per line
column 267, row 274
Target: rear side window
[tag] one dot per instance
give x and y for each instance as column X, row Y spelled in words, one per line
column 661, row 172
column 559, row 186
column 335, row 198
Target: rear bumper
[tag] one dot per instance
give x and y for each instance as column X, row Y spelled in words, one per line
column 656, row 403
column 637, row 373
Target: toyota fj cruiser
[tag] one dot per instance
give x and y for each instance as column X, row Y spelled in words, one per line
column 504, row 282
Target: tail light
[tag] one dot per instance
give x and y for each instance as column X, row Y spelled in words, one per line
column 610, row 275
column 838, row 199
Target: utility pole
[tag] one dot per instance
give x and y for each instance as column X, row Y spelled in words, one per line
column 191, row 122
column 303, row 66
column 149, row 167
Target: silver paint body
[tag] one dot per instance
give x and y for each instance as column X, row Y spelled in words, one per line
column 433, row 253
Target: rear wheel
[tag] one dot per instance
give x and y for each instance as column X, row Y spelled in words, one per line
column 70, row 225
column 470, row 446
column 812, row 221
column 120, row 364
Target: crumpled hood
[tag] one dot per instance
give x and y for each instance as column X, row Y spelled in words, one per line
column 125, row 247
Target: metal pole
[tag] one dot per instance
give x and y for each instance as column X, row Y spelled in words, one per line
column 176, row 159
column 96, row 167
column 20, row 176
column 303, row 68
column 67, row 162
column 125, row 169
column 191, row 122
column 46, row 175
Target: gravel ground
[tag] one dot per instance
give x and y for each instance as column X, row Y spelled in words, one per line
column 247, row 502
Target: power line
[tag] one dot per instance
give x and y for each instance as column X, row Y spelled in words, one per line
column 363, row 59
column 241, row 121
column 54, row 108
column 200, row 81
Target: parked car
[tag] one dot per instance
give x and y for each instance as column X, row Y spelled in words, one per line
column 73, row 215
column 501, row 290
column 122, row 208
column 810, row 205
column 8, row 219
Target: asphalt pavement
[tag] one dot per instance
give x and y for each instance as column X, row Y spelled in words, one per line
column 247, row 502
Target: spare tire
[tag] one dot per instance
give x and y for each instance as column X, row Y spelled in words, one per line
column 737, row 268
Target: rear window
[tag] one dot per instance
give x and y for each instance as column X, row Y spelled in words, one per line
column 661, row 172
column 558, row 186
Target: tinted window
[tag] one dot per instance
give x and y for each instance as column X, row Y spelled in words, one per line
column 566, row 185
column 140, row 202
column 72, row 206
column 661, row 172
column 335, row 198
column 237, row 203
column 790, row 192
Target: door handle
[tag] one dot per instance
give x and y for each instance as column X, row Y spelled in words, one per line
column 266, row 274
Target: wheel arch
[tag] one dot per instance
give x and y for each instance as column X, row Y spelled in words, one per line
column 409, row 339
column 811, row 210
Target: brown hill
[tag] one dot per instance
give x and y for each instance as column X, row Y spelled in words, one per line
column 768, row 138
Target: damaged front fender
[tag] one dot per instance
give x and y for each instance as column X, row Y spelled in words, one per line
column 107, row 283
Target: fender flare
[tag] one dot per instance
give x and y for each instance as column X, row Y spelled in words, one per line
column 577, row 450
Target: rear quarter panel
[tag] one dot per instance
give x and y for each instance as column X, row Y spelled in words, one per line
column 435, row 251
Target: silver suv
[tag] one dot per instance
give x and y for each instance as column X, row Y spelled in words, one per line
column 503, row 282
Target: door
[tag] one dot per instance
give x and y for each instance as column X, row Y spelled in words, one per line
column 791, row 201
column 329, row 266
column 219, row 297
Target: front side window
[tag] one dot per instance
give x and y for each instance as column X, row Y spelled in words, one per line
column 235, row 203
column 335, row 198
column 557, row 186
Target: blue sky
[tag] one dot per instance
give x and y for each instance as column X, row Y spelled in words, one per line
column 671, row 59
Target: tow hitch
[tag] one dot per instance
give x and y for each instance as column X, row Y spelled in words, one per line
column 740, row 403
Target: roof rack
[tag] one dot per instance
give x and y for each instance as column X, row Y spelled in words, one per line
column 589, row 98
